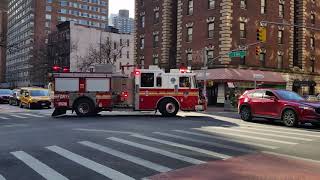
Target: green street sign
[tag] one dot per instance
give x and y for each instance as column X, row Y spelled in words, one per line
column 238, row 54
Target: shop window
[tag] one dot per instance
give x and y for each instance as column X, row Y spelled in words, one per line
column 147, row 80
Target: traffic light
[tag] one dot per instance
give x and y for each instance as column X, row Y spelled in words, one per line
column 262, row 34
column 258, row 50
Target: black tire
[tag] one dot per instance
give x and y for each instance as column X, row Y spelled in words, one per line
column 289, row 118
column 21, row 105
column 168, row 108
column 316, row 124
column 245, row 113
column 84, row 107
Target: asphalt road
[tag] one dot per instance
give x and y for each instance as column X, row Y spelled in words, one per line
column 133, row 145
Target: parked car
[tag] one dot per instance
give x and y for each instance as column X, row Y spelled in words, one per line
column 287, row 106
column 14, row 99
column 34, row 98
column 5, row 95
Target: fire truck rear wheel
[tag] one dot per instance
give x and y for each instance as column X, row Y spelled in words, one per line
column 84, row 107
column 168, row 108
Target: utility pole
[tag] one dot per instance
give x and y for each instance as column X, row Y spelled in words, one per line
column 205, row 68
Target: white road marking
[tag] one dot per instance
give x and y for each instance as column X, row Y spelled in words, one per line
column 3, row 118
column 2, row 178
column 127, row 157
column 246, row 136
column 99, row 168
column 158, row 151
column 293, row 157
column 17, row 116
column 228, row 139
column 14, row 125
column 32, row 115
column 104, row 131
column 281, row 132
column 260, row 133
column 191, row 148
column 207, row 142
column 42, row 169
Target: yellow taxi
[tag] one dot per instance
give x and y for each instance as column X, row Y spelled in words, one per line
column 34, row 98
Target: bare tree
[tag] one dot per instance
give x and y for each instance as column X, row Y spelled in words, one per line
column 39, row 66
column 106, row 52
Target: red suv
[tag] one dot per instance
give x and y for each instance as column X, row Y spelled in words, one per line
column 283, row 105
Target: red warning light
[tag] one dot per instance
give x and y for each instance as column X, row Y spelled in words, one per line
column 56, row 68
column 137, row 72
column 66, row 70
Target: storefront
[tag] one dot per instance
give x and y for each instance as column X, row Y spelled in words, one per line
column 225, row 85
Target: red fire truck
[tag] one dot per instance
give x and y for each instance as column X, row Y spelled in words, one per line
column 147, row 90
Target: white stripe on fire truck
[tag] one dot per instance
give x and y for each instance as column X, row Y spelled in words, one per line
column 42, row 169
column 127, row 157
column 158, row 151
column 191, row 148
column 99, row 168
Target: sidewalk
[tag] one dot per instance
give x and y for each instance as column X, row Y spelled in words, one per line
column 221, row 109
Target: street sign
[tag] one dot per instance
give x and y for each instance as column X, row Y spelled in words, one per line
column 237, row 54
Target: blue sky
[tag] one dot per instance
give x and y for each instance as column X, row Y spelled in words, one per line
column 115, row 5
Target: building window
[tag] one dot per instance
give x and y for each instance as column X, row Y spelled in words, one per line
column 156, row 17
column 190, row 7
column 280, row 61
column 243, row 30
column 189, row 34
column 281, row 9
column 63, row 11
column 147, row 79
column 313, row 19
column 48, row 17
column 121, row 43
column 128, row 54
column 48, row 8
column 280, row 37
column 263, row 6
column 63, row 3
column 209, row 55
column 243, row 4
column 141, row 43
column 128, row 42
column 312, row 43
column 142, row 21
column 155, row 60
column 49, row 1
column 262, row 58
column 189, row 58
column 312, row 65
column 47, row 24
column 211, row 4
column 210, row 30
column 155, row 40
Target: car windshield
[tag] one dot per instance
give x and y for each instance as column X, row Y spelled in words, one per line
column 288, row 95
column 39, row 93
column 5, row 91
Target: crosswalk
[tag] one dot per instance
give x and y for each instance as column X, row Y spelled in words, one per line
column 10, row 116
column 109, row 157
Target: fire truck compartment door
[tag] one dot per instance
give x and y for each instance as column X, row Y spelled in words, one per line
column 97, row 84
column 67, row 84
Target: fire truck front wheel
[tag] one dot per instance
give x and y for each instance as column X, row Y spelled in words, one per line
column 84, row 107
column 168, row 108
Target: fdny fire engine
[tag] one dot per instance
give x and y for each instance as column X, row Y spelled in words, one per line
column 146, row 90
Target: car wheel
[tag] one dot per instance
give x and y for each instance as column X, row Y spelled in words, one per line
column 21, row 105
column 84, row 107
column 168, row 108
column 289, row 118
column 245, row 113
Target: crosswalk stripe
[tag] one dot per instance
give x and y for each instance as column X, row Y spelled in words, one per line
column 292, row 157
column 99, row 168
column 17, row 116
column 203, row 151
column 260, row 133
column 279, row 128
column 227, row 139
column 207, row 142
column 127, row 157
column 158, row 151
column 32, row 115
column 280, row 132
column 246, row 136
column 2, row 178
column 4, row 118
column 42, row 169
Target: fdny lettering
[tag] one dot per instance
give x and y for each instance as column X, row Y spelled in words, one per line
column 61, row 96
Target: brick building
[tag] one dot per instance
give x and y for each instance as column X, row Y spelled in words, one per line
column 3, row 35
column 30, row 22
column 209, row 29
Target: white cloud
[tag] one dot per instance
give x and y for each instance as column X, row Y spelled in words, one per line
column 116, row 5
